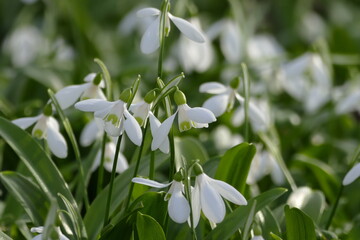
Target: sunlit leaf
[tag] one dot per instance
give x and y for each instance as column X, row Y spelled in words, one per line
column 299, row 226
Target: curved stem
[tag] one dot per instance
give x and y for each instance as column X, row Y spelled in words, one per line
column 113, row 173
column 333, row 210
column 247, row 99
column 101, row 167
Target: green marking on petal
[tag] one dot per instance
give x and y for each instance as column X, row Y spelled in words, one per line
column 107, row 159
column 38, row 133
column 112, row 118
column 139, row 120
column 185, row 126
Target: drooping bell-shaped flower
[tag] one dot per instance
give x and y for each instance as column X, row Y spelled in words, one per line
column 178, row 207
column 151, row 38
column 47, row 128
column 115, row 116
column 110, row 148
column 41, row 230
column 188, row 118
column 352, row 175
column 91, row 89
column 207, row 197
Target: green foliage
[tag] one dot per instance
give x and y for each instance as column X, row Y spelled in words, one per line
column 298, row 225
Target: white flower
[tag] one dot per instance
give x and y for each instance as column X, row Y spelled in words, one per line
column 178, row 207
column 115, row 118
column 206, row 196
column 48, row 128
column 257, row 237
column 193, row 55
column 41, row 229
column 154, row 127
column 231, row 39
column 307, row 79
column 262, row 164
column 92, row 130
column 110, row 148
column 151, row 38
column 224, row 97
column 141, row 111
column 352, row 175
column 70, row 94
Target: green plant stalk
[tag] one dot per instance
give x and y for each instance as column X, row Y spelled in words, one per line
column 106, row 76
column 272, row 148
column 247, row 100
column 162, row 36
column 113, row 173
column 188, row 196
column 70, row 133
column 101, row 167
column 333, row 210
column 131, row 188
column 152, row 158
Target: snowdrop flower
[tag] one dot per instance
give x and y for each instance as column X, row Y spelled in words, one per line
column 347, row 97
column 91, row 89
column 41, row 230
column 110, row 148
column 91, row 132
column 307, row 79
column 193, row 55
column 188, row 118
column 151, row 38
column 224, row 98
column 154, row 127
column 142, row 109
column 352, row 175
column 178, row 207
column 115, row 116
column 264, row 163
column 231, row 39
column 206, row 197
column 48, row 128
column 257, row 237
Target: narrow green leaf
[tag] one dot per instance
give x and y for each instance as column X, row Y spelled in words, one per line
column 299, row 226
column 37, row 161
column 235, row 164
column 249, row 220
column 237, row 219
column 107, row 77
column 50, row 223
column 270, row 224
column 27, row 194
column 77, row 223
column 3, row 236
column 148, row 228
column 274, row 236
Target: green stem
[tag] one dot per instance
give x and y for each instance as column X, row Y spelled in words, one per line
column 188, row 196
column 162, row 38
column 101, row 167
column 333, row 210
column 113, row 173
column 131, row 189
column 247, row 99
column 82, row 186
column 106, row 76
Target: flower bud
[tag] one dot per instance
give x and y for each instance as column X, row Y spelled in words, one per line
column 198, row 169
column 97, row 79
column 178, row 176
column 234, row 84
column 125, row 95
column 47, row 111
column 179, row 97
column 150, row 96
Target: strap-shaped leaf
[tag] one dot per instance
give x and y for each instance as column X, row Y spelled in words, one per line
column 299, row 226
column 148, row 228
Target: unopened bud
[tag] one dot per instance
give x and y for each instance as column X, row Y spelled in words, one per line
column 179, row 97
column 126, row 95
column 150, row 96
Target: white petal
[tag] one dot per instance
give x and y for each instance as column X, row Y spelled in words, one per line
column 187, row 29
column 213, row 88
column 103, row 112
column 352, row 175
column 195, row 204
column 238, row 116
column 148, row 12
column 150, row 40
column 348, row 103
column 89, row 133
column 228, row 192
column 37, row 229
column 112, row 130
column 154, row 126
column 56, row 142
column 38, row 237
column 70, row 94
column 212, row 204
column 217, row 104
column 201, row 115
column 93, row 105
column 150, row 183
column 162, row 132
column 26, row 122
column 132, row 129
column 179, row 209
column 165, row 146
column 230, row 42
column 122, row 163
